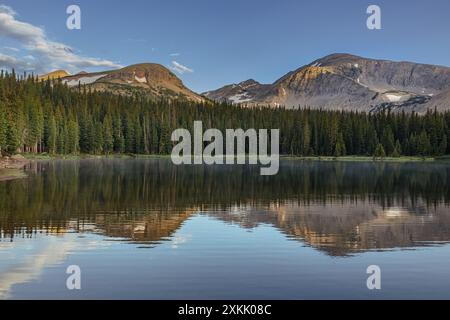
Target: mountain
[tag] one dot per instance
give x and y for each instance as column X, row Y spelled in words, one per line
column 246, row 91
column 148, row 78
column 54, row 75
column 440, row 101
column 348, row 82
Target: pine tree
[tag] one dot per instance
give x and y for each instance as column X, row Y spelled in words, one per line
column 13, row 137
column 423, row 144
column 130, row 135
column 443, row 145
column 119, row 141
column 306, row 145
column 108, row 138
column 73, row 138
column 397, row 150
column 50, row 134
column 388, row 140
column 164, row 139
column 371, row 141
column 98, row 141
column 60, row 139
column 340, row 146
column 3, row 128
column 379, row 152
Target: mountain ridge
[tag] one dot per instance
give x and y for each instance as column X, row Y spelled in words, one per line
column 339, row 81
column 343, row 81
column 150, row 79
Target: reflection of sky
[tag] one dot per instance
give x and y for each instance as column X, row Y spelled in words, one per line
column 214, row 259
column 28, row 258
column 25, row 259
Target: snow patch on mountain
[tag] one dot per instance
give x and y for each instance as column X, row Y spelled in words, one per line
column 240, row 98
column 140, row 79
column 393, row 97
column 83, row 80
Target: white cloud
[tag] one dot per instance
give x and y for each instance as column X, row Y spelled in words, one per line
column 179, row 68
column 176, row 54
column 10, row 62
column 49, row 55
column 6, row 9
column 12, row 28
column 11, row 49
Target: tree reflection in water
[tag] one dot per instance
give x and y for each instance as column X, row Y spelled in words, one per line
column 337, row 207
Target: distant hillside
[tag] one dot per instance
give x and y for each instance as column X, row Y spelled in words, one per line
column 54, row 75
column 148, row 78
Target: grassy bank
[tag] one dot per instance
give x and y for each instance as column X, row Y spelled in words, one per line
column 46, row 156
column 367, row 158
column 284, row 157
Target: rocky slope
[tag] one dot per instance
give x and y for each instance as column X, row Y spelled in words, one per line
column 348, row 82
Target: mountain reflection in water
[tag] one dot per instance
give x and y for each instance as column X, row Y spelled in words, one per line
column 340, row 208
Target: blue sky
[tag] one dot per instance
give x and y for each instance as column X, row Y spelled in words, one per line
column 220, row 41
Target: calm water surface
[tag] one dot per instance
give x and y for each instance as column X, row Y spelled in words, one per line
column 145, row 229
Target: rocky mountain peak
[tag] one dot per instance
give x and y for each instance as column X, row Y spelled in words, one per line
column 249, row 83
column 344, row 81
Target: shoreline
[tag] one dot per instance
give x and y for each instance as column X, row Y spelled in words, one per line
column 13, row 167
column 43, row 157
column 367, row 159
column 12, row 174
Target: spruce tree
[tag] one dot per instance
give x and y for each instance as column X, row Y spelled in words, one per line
column 306, row 135
column 108, row 138
column 379, row 152
column 3, row 128
column 340, row 146
column 423, row 144
column 51, row 135
column 388, row 140
column 73, row 138
column 443, row 145
column 397, row 150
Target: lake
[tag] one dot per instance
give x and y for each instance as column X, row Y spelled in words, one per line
column 146, row 229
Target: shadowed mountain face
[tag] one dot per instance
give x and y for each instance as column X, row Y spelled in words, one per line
column 149, row 79
column 338, row 208
column 348, row 82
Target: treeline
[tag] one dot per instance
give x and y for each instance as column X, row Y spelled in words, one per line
column 49, row 117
